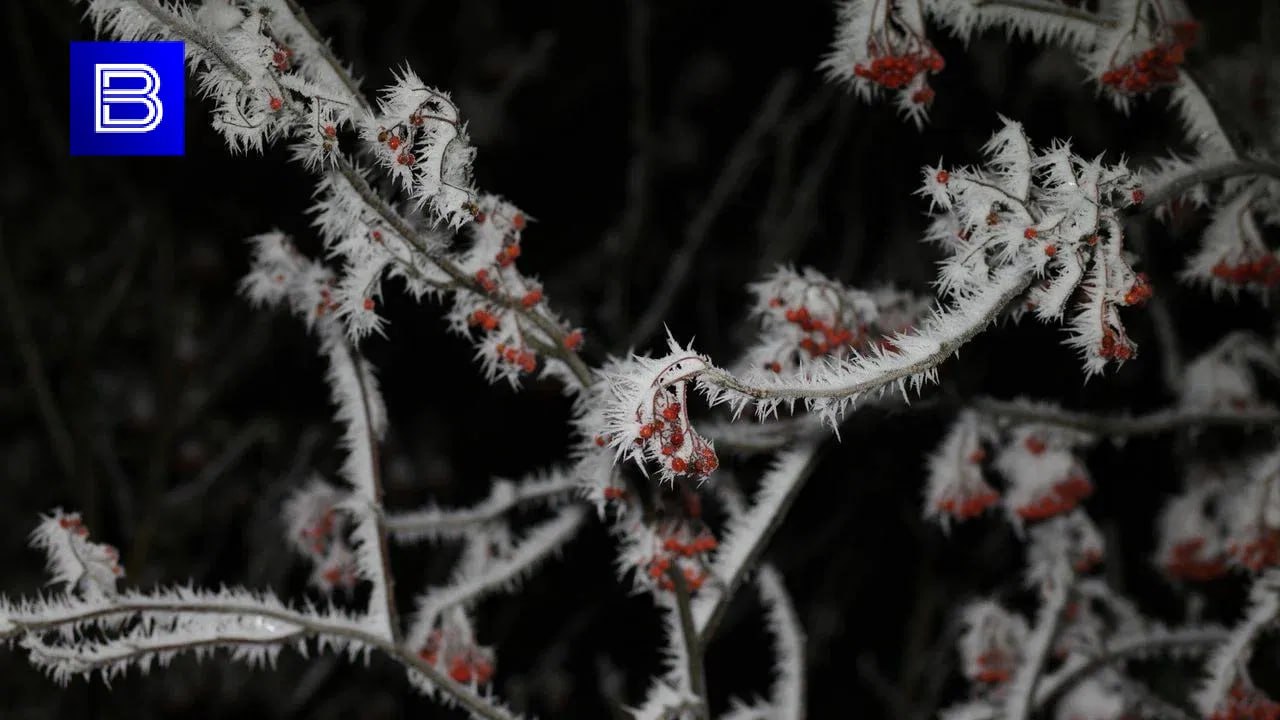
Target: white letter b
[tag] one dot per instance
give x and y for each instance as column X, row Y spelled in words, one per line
column 105, row 96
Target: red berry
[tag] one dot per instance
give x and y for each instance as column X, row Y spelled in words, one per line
column 276, row 103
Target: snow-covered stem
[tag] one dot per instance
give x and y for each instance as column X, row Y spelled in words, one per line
column 787, row 696
column 694, row 643
column 439, row 523
column 1229, row 661
column 462, row 281
column 543, row 540
column 76, row 614
column 1196, row 639
column 1020, row 701
column 1222, row 170
column 940, row 338
column 1152, row 423
column 746, row 535
column 1044, row 7
column 192, row 33
column 322, row 46
column 364, row 423
column 754, row 438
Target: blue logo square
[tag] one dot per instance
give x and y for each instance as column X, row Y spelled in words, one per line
column 127, row 98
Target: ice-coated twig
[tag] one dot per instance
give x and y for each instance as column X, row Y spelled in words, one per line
column 1228, row 661
column 1152, row 423
column 241, row 614
column 498, row 574
column 436, row 523
column 746, row 535
column 1021, row 696
column 787, row 696
column 831, row 390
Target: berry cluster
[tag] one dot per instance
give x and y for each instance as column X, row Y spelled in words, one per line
column 525, row 359
column 969, row 499
column 320, row 532
column 394, row 141
column 818, row 336
column 1063, row 496
column 1187, row 561
column 686, row 452
column 1258, row 552
column 661, row 565
column 464, row 665
column 896, row 71
column 1154, row 67
column 326, row 304
column 1246, row 703
column 1261, row 270
column 282, row 58
column 488, row 318
column 73, row 524
column 994, row 666
column 688, row 552
column 339, row 573
column 1115, row 347
column 1140, row 292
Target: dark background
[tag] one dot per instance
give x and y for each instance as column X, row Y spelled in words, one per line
column 138, row 388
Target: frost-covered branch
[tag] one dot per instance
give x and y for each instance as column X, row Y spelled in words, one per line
column 915, row 363
column 787, row 696
column 199, row 622
column 1021, row 699
column 1152, row 423
column 1229, row 661
column 1159, row 642
column 746, row 534
column 497, row 574
column 1173, row 186
column 693, row 643
column 436, row 523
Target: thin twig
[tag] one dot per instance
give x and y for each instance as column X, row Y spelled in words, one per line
column 463, row 281
column 33, row 365
column 1056, row 686
column 946, row 347
column 712, row 612
column 379, row 516
column 1209, row 174
column 741, row 160
column 326, row 52
column 693, row 642
column 1160, row 421
column 314, row 627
